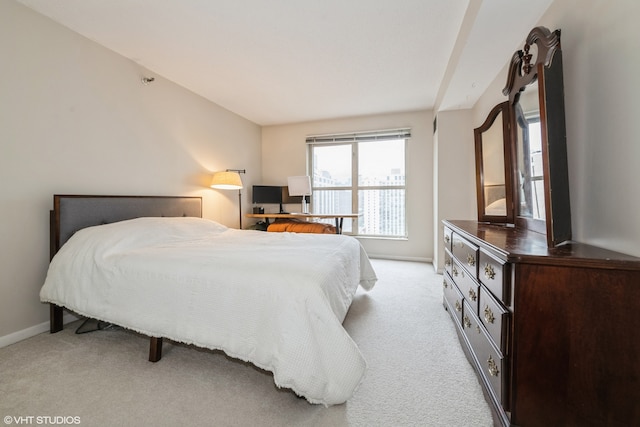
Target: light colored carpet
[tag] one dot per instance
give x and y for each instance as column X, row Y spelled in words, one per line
column 417, row 373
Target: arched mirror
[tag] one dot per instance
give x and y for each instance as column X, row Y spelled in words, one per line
column 493, row 166
column 539, row 148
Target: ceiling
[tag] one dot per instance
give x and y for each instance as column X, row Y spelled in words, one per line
column 288, row 61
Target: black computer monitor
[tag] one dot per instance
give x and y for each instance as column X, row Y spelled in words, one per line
column 267, row 194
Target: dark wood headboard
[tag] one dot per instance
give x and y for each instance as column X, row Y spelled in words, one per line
column 74, row 212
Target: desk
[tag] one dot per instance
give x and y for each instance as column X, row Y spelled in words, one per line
column 338, row 217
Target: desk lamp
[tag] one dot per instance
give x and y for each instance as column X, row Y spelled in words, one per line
column 300, row 186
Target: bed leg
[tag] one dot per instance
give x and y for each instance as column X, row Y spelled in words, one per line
column 155, row 349
column 55, row 318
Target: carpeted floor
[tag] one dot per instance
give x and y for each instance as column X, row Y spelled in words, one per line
column 417, row 373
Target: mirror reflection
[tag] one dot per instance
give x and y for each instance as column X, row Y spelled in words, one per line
column 493, row 166
column 529, row 155
column 493, row 169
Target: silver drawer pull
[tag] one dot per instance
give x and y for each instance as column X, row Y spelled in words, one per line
column 489, row 272
column 447, row 262
column 458, row 306
column 447, row 239
column 488, row 315
column 455, row 271
column 493, row 367
column 471, row 260
column 444, row 284
column 466, row 322
column 472, row 295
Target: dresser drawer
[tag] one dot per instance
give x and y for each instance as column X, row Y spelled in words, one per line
column 453, row 297
column 495, row 319
column 467, row 285
column 447, row 237
column 491, row 363
column 456, row 270
column 448, row 261
column 495, row 273
column 466, row 252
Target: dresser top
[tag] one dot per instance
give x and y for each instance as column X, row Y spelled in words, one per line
column 521, row 245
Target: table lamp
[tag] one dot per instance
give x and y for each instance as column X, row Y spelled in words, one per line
column 300, row 186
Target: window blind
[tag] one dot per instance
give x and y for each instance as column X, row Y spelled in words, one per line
column 381, row 135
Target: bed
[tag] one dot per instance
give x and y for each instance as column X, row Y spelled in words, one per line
column 155, row 266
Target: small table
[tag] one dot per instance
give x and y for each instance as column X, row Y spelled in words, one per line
column 338, row 217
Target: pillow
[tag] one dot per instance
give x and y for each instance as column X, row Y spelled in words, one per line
column 293, row 226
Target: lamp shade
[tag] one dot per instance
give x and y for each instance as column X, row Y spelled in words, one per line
column 299, row 185
column 226, row 181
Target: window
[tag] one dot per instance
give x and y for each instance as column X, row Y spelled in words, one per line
column 364, row 173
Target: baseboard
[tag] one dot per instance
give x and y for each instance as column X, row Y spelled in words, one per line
column 399, row 258
column 33, row 331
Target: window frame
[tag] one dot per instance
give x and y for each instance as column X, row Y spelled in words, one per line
column 355, row 186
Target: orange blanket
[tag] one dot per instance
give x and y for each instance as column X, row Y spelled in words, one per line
column 293, row 226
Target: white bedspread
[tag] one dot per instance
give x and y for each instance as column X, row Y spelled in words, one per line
column 274, row 299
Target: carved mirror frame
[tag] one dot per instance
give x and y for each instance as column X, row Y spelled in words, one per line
column 493, row 166
column 541, row 196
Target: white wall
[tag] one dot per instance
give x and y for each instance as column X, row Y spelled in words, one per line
column 284, row 153
column 455, row 175
column 75, row 119
column 600, row 59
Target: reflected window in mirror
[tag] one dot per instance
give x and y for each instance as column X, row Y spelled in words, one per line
column 529, row 155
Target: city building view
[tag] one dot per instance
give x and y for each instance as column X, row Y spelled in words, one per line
column 380, row 188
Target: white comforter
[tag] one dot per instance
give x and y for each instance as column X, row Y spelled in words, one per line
column 275, row 299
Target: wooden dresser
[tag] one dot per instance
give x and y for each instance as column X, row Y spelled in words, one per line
column 553, row 333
